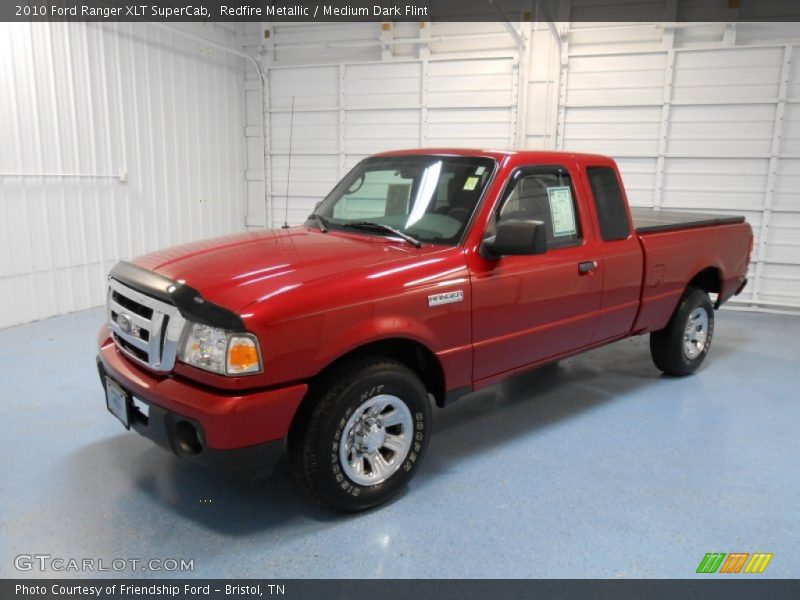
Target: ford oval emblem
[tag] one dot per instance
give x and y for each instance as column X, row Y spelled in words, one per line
column 125, row 322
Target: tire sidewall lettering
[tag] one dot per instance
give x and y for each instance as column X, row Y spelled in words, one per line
column 340, row 479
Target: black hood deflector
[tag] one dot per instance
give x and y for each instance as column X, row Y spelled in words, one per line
column 188, row 300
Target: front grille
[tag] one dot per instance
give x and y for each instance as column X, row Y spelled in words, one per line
column 145, row 329
column 142, row 334
column 131, row 349
column 139, row 309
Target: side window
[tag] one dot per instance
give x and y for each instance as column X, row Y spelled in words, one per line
column 608, row 203
column 544, row 194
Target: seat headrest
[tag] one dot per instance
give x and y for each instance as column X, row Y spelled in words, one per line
column 531, row 186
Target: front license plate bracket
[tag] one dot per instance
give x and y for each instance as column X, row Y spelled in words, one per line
column 118, row 402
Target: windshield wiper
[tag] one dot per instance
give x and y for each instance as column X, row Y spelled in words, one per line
column 370, row 226
column 322, row 222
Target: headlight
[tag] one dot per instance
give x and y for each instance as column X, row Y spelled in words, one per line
column 220, row 351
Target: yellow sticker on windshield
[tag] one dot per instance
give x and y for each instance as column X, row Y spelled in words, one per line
column 471, row 182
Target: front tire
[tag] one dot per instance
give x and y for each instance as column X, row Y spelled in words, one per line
column 681, row 347
column 363, row 434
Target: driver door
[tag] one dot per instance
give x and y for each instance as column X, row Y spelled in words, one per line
column 531, row 309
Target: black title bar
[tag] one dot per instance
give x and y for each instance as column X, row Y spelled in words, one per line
column 392, row 10
column 731, row 588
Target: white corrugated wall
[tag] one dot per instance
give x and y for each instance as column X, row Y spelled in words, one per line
column 699, row 116
column 698, row 124
column 368, row 100
column 139, row 133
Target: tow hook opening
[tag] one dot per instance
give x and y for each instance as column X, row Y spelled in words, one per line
column 187, row 439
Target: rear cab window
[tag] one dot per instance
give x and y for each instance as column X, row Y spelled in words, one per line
column 545, row 194
column 608, row 203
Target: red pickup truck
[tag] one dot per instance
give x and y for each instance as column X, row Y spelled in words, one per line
column 424, row 275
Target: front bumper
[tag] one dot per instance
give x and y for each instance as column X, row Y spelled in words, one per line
column 243, row 431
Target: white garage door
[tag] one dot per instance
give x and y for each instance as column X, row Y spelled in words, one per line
column 715, row 130
column 346, row 112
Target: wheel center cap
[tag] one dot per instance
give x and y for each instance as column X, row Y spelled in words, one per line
column 371, row 439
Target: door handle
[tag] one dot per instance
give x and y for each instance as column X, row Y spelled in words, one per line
column 587, row 266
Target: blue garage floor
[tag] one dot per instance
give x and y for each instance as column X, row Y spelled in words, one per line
column 595, row 467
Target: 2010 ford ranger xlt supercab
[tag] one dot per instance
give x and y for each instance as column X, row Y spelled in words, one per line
column 424, row 275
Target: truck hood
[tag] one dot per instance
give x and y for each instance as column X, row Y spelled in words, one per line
column 236, row 270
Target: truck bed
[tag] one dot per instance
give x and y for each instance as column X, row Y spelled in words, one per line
column 648, row 220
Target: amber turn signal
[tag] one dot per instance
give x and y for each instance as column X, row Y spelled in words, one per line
column 243, row 355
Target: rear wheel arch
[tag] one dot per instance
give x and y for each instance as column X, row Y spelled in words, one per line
column 709, row 280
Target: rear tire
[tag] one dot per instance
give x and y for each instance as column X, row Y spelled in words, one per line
column 680, row 348
column 362, row 435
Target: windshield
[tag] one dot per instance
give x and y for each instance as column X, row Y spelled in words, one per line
column 430, row 198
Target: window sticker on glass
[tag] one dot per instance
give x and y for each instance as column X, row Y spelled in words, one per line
column 562, row 211
column 480, row 170
column 470, row 183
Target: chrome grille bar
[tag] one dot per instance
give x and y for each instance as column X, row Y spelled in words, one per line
column 138, row 320
column 163, row 329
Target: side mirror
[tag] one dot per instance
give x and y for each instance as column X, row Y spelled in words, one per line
column 515, row 237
